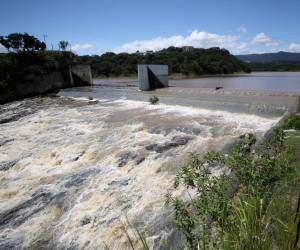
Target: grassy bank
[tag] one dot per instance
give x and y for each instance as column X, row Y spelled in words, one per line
column 253, row 203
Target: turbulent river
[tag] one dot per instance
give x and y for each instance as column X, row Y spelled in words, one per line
column 74, row 171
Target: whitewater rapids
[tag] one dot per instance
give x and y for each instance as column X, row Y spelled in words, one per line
column 73, row 171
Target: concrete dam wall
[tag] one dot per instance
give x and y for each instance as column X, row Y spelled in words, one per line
column 152, row 76
column 35, row 84
column 81, row 75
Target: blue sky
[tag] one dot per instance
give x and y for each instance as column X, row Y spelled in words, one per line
column 97, row 26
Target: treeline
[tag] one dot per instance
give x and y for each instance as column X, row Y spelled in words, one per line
column 275, row 66
column 180, row 61
column 29, row 69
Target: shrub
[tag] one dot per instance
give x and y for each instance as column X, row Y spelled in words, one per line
column 293, row 122
column 249, row 205
column 153, row 99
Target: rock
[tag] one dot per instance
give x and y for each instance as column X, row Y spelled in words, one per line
column 139, row 160
column 85, row 220
column 119, row 183
column 151, row 147
column 6, row 165
column 19, row 214
column 11, row 244
column 167, row 130
column 78, row 156
column 129, row 156
column 180, row 141
column 2, row 143
column 78, row 178
column 124, row 158
column 176, row 142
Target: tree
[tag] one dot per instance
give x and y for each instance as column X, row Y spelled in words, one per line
column 63, row 45
column 18, row 42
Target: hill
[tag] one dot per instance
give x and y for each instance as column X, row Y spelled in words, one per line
column 192, row 62
column 270, row 57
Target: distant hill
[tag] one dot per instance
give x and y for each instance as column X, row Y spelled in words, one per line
column 270, row 57
column 187, row 61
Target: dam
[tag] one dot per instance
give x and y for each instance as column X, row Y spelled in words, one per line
column 75, row 169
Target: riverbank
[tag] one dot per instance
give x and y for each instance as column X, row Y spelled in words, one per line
column 253, row 202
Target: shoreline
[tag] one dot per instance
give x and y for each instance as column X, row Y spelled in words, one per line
column 184, row 77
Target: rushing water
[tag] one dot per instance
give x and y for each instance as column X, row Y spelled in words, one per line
column 73, row 169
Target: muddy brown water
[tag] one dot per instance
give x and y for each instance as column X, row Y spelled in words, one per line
column 74, row 170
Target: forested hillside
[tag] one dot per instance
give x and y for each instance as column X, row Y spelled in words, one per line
column 275, row 66
column 192, row 62
column 270, row 57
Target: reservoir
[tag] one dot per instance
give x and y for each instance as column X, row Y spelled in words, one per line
column 260, row 81
column 257, row 81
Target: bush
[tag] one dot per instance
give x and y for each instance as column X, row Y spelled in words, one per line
column 250, row 205
column 293, row 122
column 153, row 99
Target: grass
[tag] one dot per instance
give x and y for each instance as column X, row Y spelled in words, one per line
column 135, row 238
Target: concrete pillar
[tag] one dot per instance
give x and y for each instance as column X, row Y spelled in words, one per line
column 151, row 77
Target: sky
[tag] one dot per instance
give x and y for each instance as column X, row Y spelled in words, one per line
column 98, row 26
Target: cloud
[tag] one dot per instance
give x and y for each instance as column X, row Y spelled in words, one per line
column 242, row 30
column 197, row 39
column 294, row 47
column 2, row 49
column 263, row 39
column 82, row 47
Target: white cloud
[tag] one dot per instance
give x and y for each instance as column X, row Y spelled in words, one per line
column 294, row 47
column 242, row 30
column 263, row 39
column 197, row 39
column 2, row 49
column 82, row 47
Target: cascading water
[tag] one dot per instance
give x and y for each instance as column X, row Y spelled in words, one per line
column 72, row 170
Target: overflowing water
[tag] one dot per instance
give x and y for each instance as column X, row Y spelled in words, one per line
column 73, row 171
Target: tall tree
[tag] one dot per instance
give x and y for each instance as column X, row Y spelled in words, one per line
column 18, row 42
column 63, row 45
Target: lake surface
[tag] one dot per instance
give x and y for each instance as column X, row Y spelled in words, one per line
column 259, row 81
column 288, row 82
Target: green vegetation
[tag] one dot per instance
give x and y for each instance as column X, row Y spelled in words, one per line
column 153, row 99
column 252, row 203
column 24, row 69
column 18, row 42
column 293, row 122
column 19, row 71
column 271, row 57
column 189, row 63
column 63, row 45
column 275, row 66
